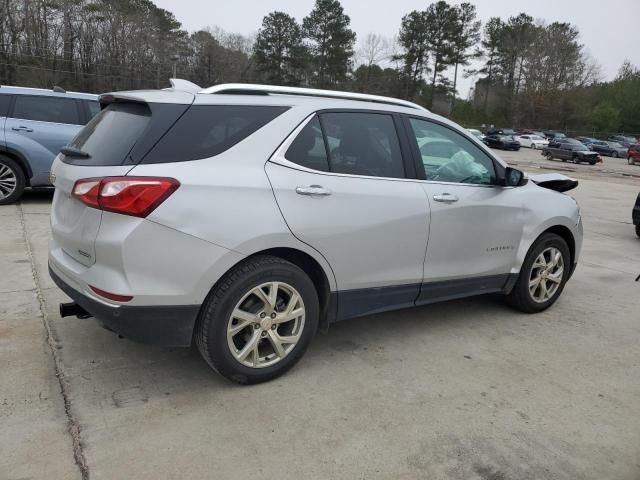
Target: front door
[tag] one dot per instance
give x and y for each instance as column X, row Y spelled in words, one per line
column 476, row 225
column 343, row 189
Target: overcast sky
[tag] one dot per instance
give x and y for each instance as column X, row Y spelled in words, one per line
column 609, row 30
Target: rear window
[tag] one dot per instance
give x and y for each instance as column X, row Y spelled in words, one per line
column 46, row 109
column 208, row 130
column 109, row 136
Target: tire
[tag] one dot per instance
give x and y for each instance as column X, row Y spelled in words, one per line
column 549, row 156
column 533, row 146
column 221, row 348
column 12, row 181
column 592, row 162
column 638, row 230
column 614, row 154
column 630, row 160
column 521, row 297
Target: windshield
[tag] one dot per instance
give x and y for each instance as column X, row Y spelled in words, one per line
column 572, row 141
column 616, row 145
column 506, row 138
column 536, row 137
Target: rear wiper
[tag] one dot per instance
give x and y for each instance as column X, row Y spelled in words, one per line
column 74, row 152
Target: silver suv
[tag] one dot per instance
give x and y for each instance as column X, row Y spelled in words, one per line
column 243, row 218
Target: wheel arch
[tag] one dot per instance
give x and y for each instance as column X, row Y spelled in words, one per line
column 317, row 274
column 566, row 235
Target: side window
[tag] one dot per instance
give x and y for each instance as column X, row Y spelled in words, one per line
column 46, row 109
column 448, row 156
column 308, row 148
column 363, row 144
column 4, row 104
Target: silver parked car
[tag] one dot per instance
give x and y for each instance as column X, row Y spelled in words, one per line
column 243, row 218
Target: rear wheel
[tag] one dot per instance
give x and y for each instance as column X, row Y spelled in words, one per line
column 549, row 156
column 12, row 181
column 638, row 230
column 258, row 321
column 533, row 145
column 614, row 154
column 542, row 276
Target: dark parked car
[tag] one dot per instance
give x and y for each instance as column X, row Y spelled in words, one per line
column 501, row 131
column 570, row 151
column 611, row 149
column 634, row 154
column 586, row 140
column 504, row 142
column 636, row 215
column 553, row 135
column 624, row 140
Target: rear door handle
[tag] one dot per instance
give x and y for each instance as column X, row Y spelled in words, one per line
column 22, row 129
column 313, row 190
column 445, row 198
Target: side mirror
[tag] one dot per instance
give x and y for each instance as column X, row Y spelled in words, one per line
column 514, row 178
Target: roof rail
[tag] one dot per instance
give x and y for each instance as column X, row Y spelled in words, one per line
column 254, row 89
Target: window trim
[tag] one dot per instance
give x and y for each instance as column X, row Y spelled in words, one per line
column 12, row 106
column 417, row 158
column 279, row 157
column 402, row 135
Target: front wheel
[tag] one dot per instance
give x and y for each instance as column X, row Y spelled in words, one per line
column 638, row 230
column 614, row 154
column 533, row 145
column 258, row 321
column 542, row 276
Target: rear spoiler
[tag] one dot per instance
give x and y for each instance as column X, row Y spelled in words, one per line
column 554, row 181
column 147, row 96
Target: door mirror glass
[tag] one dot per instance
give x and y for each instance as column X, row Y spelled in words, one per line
column 513, row 177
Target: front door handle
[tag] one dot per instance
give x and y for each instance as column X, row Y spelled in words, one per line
column 22, row 129
column 445, row 198
column 313, row 190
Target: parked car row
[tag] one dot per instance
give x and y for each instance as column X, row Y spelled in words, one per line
column 558, row 145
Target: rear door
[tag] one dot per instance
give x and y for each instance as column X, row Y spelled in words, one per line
column 344, row 185
column 4, row 108
column 41, row 126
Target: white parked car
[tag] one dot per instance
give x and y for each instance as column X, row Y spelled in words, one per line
column 243, row 218
column 532, row 141
column 476, row 133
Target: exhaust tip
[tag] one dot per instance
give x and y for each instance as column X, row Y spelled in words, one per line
column 72, row 309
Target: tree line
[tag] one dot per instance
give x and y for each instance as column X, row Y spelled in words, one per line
column 528, row 73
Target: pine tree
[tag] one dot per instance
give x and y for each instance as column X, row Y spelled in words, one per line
column 331, row 42
column 279, row 52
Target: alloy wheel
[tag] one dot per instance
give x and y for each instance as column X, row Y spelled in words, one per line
column 8, row 181
column 266, row 324
column 546, row 275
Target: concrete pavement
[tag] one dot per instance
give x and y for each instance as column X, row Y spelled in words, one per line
column 466, row 389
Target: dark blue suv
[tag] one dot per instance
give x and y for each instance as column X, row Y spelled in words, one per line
column 34, row 125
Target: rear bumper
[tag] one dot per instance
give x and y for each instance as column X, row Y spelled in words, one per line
column 167, row 325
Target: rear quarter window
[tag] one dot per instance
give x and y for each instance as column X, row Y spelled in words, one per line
column 208, row 130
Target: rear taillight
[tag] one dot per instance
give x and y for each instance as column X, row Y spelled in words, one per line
column 135, row 196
